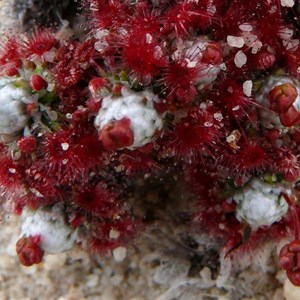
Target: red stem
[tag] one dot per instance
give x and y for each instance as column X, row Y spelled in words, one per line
column 294, row 215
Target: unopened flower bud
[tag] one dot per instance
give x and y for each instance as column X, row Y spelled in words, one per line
column 29, row 251
column 11, row 71
column 290, row 118
column 117, row 135
column 11, row 68
column 288, row 260
column 282, row 97
column 130, row 115
column 294, row 276
column 38, row 83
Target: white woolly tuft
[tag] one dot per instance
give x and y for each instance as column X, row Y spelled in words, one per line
column 13, row 100
column 56, row 236
column 136, row 106
column 260, row 204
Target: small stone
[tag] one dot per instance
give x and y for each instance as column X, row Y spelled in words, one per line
column 247, row 87
column 256, row 47
column 233, row 138
column 290, row 291
column 287, row 3
column 278, row 295
column 246, row 27
column 116, row 280
column 6, row 262
column 230, row 90
column 285, row 33
column 205, row 274
column 218, row 116
column 119, row 254
column 65, row 146
column 149, row 38
column 55, row 262
column 235, row 41
column 240, row 59
column 92, row 280
column 114, row 234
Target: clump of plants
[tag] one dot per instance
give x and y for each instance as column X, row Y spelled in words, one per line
column 207, row 90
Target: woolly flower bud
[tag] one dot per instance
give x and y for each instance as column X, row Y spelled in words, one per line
column 280, row 97
column 13, row 103
column 208, row 53
column 49, row 225
column 260, row 204
column 137, row 108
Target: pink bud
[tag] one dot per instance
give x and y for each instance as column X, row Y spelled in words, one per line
column 294, row 246
column 294, row 276
column 11, row 71
column 287, row 260
column 291, row 175
column 29, row 251
column 282, row 97
column 11, row 68
column 38, row 83
column 290, row 118
column 117, row 135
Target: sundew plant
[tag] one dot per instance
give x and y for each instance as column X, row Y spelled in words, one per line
column 202, row 94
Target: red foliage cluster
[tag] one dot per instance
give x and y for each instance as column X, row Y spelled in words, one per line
column 27, row 49
column 208, row 63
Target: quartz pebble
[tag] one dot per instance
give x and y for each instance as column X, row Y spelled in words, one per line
column 290, row 291
column 287, row 3
column 235, row 41
column 247, row 87
column 240, row 59
column 119, row 254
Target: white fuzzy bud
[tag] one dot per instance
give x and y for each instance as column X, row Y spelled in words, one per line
column 287, row 3
column 194, row 52
column 138, row 108
column 56, row 236
column 13, row 100
column 260, row 203
column 270, row 119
